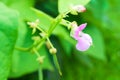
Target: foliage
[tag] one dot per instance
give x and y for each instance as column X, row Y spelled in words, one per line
column 8, row 34
column 101, row 61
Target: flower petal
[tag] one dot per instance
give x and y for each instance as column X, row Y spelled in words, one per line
column 79, row 29
column 87, row 37
column 83, row 44
column 79, row 8
column 82, row 26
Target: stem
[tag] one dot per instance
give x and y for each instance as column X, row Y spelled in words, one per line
column 57, row 64
column 65, row 23
column 36, row 52
column 40, row 43
column 52, row 27
column 22, row 49
column 40, row 73
column 40, row 29
column 55, row 59
column 55, row 23
column 50, row 42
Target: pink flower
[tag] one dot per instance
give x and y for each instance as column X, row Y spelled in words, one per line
column 84, row 41
column 79, row 8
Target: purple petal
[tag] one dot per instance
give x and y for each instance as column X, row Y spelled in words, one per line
column 82, row 26
column 78, row 30
column 84, row 42
column 87, row 37
column 76, row 34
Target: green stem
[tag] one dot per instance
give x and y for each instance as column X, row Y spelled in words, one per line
column 55, row 23
column 57, row 64
column 36, row 52
column 65, row 23
column 40, row 73
column 50, row 42
column 22, row 49
column 52, row 27
column 40, row 43
column 40, row 29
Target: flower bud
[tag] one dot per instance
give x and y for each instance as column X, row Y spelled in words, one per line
column 42, row 34
column 36, row 38
column 41, row 59
column 77, row 9
column 33, row 24
column 73, row 24
column 48, row 45
column 53, row 50
column 80, row 8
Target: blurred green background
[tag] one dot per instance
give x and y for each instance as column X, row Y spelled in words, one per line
column 100, row 62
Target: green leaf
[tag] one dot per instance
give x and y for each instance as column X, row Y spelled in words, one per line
column 66, row 45
column 23, row 6
column 45, row 20
column 64, row 5
column 8, row 34
column 4, row 1
column 98, row 48
column 24, row 62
